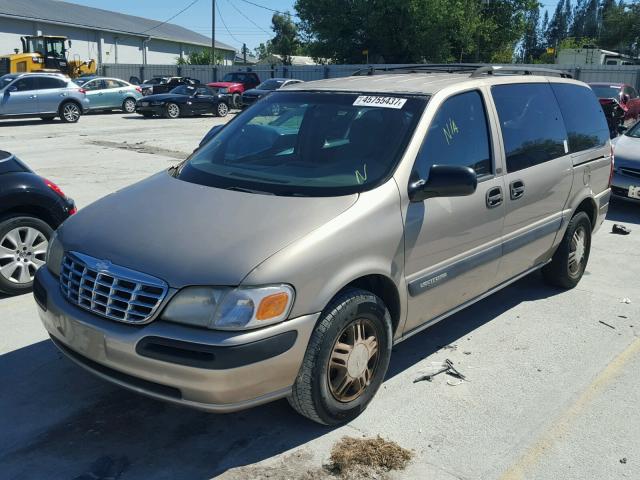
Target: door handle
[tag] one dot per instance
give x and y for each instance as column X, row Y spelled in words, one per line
column 494, row 197
column 517, row 189
column 33, row 96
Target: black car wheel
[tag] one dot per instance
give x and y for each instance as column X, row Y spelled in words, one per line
column 172, row 110
column 222, row 110
column 70, row 112
column 129, row 105
column 23, row 248
column 346, row 360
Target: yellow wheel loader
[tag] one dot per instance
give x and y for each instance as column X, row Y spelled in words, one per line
column 45, row 54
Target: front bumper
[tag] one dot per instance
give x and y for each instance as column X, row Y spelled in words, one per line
column 153, row 109
column 620, row 184
column 206, row 369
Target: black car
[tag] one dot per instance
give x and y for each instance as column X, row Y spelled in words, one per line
column 31, row 208
column 184, row 100
column 249, row 97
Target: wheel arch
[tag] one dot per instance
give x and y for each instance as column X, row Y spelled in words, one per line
column 69, row 100
column 588, row 206
column 31, row 210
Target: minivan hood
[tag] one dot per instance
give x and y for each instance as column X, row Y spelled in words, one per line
column 189, row 234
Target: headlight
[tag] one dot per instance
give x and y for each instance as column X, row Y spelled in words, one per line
column 224, row 90
column 230, row 308
column 55, row 252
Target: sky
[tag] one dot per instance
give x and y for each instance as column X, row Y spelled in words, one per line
column 237, row 21
column 252, row 29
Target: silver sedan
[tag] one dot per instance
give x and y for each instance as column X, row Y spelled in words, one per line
column 626, row 176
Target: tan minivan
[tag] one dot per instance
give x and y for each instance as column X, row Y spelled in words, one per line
column 324, row 224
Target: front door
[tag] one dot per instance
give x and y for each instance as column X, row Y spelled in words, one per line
column 96, row 93
column 20, row 98
column 114, row 94
column 203, row 101
column 539, row 172
column 453, row 244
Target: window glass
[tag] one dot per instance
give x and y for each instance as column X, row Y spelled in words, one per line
column 113, row 83
column 458, row 135
column 47, row 83
column 583, row 116
column 298, row 143
column 532, row 128
column 25, row 84
column 606, row 91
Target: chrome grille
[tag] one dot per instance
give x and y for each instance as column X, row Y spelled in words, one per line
column 109, row 290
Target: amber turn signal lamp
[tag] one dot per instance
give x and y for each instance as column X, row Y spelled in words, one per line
column 272, row 306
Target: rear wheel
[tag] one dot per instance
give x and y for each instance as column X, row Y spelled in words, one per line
column 172, row 110
column 129, row 105
column 570, row 260
column 222, row 109
column 70, row 112
column 23, row 247
column 346, row 360
column 235, row 100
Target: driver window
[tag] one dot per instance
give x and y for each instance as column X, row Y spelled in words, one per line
column 457, row 135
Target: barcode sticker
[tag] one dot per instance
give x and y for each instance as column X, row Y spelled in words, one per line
column 375, row 101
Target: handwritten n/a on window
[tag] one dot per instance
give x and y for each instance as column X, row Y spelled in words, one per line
column 450, row 130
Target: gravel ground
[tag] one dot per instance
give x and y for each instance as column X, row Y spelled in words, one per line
column 551, row 393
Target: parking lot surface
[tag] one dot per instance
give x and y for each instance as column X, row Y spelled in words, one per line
column 553, row 376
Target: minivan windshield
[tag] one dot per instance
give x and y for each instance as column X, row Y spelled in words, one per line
column 311, row 144
column 634, row 131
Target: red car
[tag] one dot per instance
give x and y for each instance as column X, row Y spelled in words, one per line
column 234, row 84
column 626, row 96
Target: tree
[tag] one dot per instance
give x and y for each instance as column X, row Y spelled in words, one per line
column 263, row 50
column 531, row 46
column 285, row 42
column 621, row 28
column 408, row 31
column 558, row 26
column 201, row 57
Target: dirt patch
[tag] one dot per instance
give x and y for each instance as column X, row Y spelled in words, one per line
column 367, row 457
column 142, row 147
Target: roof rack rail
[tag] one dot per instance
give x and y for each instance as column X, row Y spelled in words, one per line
column 436, row 68
column 516, row 70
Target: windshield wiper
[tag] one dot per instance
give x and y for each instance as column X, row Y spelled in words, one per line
column 249, row 190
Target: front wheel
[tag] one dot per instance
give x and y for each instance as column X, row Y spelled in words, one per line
column 222, row 110
column 570, row 260
column 23, row 248
column 70, row 112
column 129, row 105
column 346, row 360
column 172, row 111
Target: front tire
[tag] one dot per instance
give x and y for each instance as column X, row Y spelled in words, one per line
column 129, row 105
column 346, row 360
column 570, row 260
column 172, row 110
column 23, row 247
column 70, row 112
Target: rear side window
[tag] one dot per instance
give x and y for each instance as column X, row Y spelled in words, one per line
column 583, row 116
column 458, row 135
column 532, row 128
column 45, row 83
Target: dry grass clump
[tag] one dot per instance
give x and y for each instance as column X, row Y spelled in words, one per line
column 375, row 453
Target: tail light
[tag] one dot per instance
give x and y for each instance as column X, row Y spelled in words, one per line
column 55, row 188
column 138, row 89
column 613, row 161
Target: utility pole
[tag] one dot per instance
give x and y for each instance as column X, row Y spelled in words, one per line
column 213, row 40
column 244, row 53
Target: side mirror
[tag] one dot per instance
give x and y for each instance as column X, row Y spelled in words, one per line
column 444, row 181
column 210, row 134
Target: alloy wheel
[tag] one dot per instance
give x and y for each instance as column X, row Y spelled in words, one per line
column 577, row 250
column 223, row 109
column 129, row 106
column 353, row 361
column 22, row 251
column 173, row 110
column 71, row 112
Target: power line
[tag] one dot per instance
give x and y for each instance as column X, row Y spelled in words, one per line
column 265, row 8
column 225, row 25
column 171, row 18
column 245, row 16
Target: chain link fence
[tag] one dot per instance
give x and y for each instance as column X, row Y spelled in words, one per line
column 629, row 74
